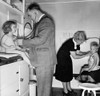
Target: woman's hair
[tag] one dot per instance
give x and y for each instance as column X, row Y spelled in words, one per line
column 80, row 35
column 6, row 27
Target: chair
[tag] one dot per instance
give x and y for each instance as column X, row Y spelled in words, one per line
column 90, row 87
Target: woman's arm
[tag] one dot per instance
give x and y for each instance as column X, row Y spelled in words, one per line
column 78, row 54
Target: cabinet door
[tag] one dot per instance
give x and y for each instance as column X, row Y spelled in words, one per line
column 24, row 78
column 9, row 74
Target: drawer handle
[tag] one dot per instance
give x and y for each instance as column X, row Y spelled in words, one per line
column 17, row 90
column 17, row 72
column 21, row 79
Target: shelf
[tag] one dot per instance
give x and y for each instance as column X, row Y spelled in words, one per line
column 13, row 10
column 7, row 7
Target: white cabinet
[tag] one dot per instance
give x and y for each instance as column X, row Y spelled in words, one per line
column 11, row 90
column 14, row 79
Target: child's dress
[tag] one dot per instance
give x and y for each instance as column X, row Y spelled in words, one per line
column 10, row 46
column 93, row 63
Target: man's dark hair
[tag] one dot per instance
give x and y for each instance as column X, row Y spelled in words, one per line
column 33, row 6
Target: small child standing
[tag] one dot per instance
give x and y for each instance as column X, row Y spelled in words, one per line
column 9, row 40
column 90, row 72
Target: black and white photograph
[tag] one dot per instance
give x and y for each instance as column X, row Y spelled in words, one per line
column 49, row 47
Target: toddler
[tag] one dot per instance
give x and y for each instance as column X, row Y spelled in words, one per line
column 9, row 40
column 90, row 72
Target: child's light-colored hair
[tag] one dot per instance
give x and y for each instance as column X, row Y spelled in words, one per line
column 95, row 44
column 80, row 35
column 6, row 27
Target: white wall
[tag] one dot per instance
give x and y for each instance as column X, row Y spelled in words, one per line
column 72, row 16
column 2, row 20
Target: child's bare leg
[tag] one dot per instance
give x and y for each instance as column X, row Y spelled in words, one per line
column 90, row 79
column 84, row 77
column 78, row 78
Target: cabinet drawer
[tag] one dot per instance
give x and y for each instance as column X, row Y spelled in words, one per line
column 12, row 90
column 9, row 74
column 26, row 93
column 24, row 78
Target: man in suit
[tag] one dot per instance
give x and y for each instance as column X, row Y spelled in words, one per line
column 42, row 48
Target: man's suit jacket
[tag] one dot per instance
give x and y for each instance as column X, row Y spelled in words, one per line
column 42, row 46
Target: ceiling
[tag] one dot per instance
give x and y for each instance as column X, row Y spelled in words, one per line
column 56, row 1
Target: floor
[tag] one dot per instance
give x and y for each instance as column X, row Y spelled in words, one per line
column 58, row 92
